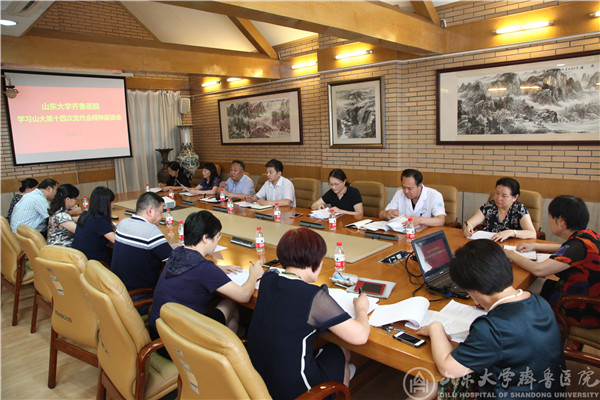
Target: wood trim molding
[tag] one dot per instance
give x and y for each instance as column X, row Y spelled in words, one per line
column 13, row 184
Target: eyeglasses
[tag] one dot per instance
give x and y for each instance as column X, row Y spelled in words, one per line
column 335, row 183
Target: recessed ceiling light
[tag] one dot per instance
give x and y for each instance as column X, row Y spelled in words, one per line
column 7, row 22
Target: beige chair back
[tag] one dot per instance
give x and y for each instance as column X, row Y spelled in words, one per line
column 122, row 336
column 10, row 252
column 32, row 241
column 72, row 316
column 373, row 197
column 307, row 191
column 211, row 359
column 261, row 181
column 534, row 203
column 450, row 195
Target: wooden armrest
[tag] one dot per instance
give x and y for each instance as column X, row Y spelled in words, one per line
column 585, row 358
column 137, row 292
column 142, row 359
column 142, row 302
column 325, row 389
column 561, row 318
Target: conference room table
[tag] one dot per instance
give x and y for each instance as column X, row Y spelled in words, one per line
column 380, row 346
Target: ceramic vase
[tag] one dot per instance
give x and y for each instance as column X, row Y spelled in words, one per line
column 187, row 157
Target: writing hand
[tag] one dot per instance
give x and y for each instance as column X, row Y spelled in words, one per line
column 525, row 247
column 361, row 303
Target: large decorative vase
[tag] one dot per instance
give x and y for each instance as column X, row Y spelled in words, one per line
column 187, row 157
column 163, row 174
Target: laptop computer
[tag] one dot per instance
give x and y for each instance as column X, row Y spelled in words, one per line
column 433, row 255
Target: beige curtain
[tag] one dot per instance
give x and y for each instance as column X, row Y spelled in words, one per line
column 153, row 120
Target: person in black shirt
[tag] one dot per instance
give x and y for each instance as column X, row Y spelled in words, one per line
column 177, row 177
column 342, row 197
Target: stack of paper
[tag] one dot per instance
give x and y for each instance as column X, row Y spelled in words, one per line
column 396, row 224
column 482, row 235
column 254, row 206
column 532, row 255
column 322, row 213
column 210, row 200
column 346, row 301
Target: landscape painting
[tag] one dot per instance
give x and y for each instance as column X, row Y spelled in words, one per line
column 355, row 117
column 542, row 101
column 267, row 118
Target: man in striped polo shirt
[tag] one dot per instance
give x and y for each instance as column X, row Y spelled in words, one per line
column 140, row 246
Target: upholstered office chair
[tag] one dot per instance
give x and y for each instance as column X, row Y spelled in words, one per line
column 129, row 366
column 261, row 181
column 213, row 362
column 16, row 270
column 373, row 196
column 569, row 333
column 74, row 326
column 307, row 191
column 534, row 203
column 32, row 241
column 450, row 195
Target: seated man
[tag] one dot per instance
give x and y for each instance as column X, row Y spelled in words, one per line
column 32, row 209
column 276, row 189
column 239, row 185
column 140, row 246
column 177, row 177
column 516, row 346
column 423, row 204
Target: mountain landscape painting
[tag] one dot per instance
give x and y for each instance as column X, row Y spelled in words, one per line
column 269, row 118
column 559, row 100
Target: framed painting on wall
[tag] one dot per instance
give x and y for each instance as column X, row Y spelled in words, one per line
column 269, row 118
column 356, row 113
column 551, row 100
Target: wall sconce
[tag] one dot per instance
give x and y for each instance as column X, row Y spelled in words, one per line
column 214, row 83
column 595, row 14
column 518, row 28
column 304, row 65
column 354, row 54
column 11, row 92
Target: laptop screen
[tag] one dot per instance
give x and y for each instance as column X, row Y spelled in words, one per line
column 433, row 253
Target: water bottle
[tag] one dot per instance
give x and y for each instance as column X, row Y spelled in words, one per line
column 410, row 233
column 171, row 194
column 332, row 220
column 147, row 187
column 229, row 205
column 181, row 231
column 340, row 258
column 85, row 204
column 260, row 241
column 169, row 219
column 222, row 196
column 277, row 213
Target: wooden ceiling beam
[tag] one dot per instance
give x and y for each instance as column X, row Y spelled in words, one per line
column 73, row 51
column 427, row 10
column 363, row 21
column 254, row 36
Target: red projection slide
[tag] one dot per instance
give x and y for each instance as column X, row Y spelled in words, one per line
column 60, row 118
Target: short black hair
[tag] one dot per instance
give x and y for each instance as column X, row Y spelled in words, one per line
column 28, row 183
column 241, row 163
column 481, row 265
column 48, row 182
column 510, row 183
column 148, row 199
column 275, row 164
column 413, row 173
column 199, row 224
column 339, row 174
column 572, row 209
column 212, row 168
column 174, row 165
column 64, row 191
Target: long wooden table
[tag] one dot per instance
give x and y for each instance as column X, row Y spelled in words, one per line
column 380, row 347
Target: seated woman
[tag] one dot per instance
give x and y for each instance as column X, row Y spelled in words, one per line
column 61, row 227
column 290, row 312
column 342, row 197
column 519, row 334
column 503, row 215
column 576, row 262
column 190, row 279
column 94, row 227
column 27, row 185
column 209, row 185
column 177, row 177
